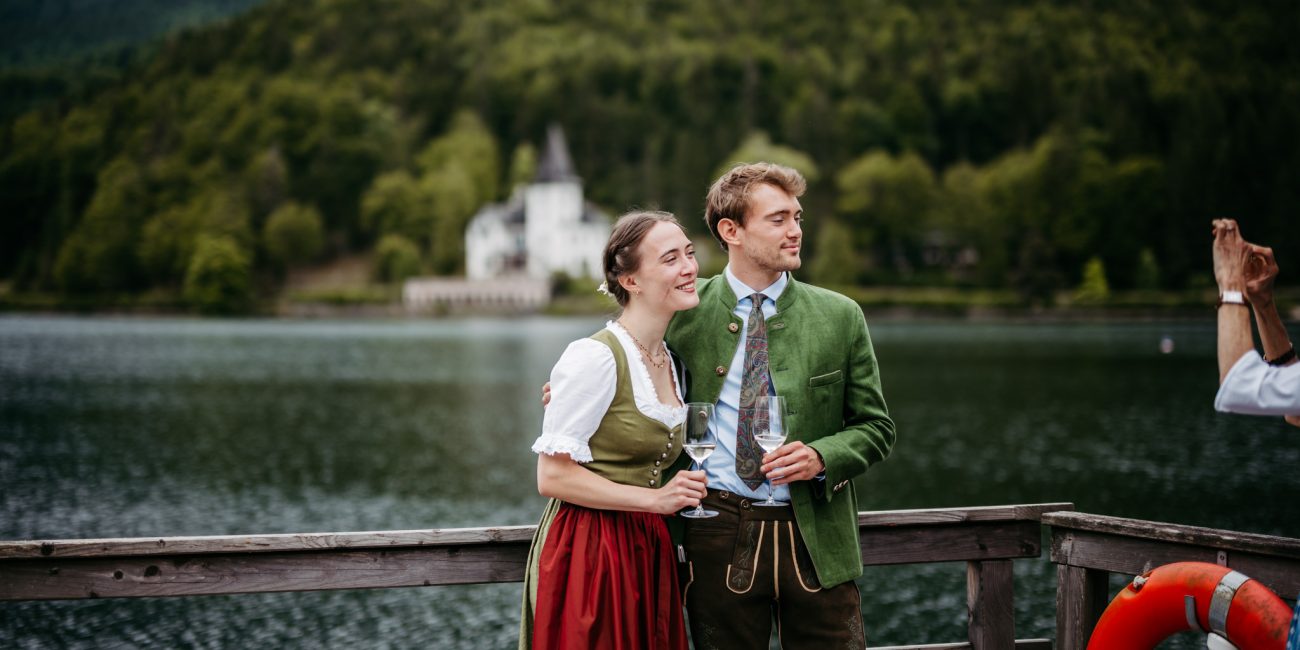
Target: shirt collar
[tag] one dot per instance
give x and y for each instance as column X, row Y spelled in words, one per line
column 743, row 291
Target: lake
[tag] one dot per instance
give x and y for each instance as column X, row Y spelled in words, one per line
column 152, row 427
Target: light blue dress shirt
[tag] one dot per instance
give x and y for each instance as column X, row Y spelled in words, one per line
column 721, row 465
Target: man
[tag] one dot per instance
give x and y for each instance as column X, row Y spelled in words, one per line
column 757, row 330
column 1267, row 384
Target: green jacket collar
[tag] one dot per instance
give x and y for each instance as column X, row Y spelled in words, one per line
column 788, row 298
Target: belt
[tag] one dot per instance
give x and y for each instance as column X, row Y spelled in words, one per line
column 738, row 507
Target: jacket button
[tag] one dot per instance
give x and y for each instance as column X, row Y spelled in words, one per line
column 668, row 446
column 722, row 372
column 657, row 462
column 663, row 455
column 652, row 482
column 733, row 328
column 654, row 472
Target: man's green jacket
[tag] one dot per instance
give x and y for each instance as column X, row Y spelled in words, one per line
column 822, row 362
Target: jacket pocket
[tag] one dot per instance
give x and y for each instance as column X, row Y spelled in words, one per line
column 823, row 380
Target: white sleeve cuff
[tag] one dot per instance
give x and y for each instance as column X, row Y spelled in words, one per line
column 551, row 444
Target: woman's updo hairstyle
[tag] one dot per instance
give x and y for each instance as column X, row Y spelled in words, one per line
column 621, row 252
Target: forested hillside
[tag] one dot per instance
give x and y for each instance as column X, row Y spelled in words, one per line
column 35, row 33
column 990, row 144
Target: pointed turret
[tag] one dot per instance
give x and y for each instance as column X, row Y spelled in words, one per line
column 555, row 165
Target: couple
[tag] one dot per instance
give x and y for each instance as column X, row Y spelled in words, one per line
column 603, row 570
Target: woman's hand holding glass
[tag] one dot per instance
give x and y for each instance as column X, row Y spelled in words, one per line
column 683, row 491
column 698, row 443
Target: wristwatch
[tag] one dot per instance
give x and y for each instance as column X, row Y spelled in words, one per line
column 1231, row 298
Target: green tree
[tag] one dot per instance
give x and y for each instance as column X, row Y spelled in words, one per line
column 836, row 262
column 267, row 180
column 523, row 165
column 469, row 145
column 99, row 254
column 452, row 197
column 895, row 197
column 293, row 234
column 396, row 258
column 1148, row 271
column 978, row 232
column 1093, row 288
column 398, row 204
column 218, row 278
column 758, row 147
column 167, row 244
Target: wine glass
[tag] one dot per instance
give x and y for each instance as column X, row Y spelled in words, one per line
column 698, row 443
column 769, row 432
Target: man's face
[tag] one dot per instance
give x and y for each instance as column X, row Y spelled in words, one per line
column 773, row 230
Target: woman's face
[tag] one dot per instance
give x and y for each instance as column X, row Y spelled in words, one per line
column 666, row 275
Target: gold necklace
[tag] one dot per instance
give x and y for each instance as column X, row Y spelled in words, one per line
column 663, row 358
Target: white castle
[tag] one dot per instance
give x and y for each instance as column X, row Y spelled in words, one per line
column 545, row 228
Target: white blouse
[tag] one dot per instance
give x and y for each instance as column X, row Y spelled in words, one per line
column 1256, row 388
column 583, row 383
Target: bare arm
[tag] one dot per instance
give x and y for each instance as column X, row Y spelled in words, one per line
column 1259, row 289
column 1261, row 270
column 1230, row 256
column 559, row 477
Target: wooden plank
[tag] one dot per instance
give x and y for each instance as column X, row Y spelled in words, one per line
column 235, row 573
column 1031, row 512
column 990, row 605
column 446, row 536
column 291, row 562
column 1081, row 597
column 335, row 565
column 1021, row 644
column 1177, row 533
column 262, row 543
column 1132, row 556
column 953, row 543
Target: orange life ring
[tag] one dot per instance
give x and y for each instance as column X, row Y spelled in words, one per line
column 1193, row 596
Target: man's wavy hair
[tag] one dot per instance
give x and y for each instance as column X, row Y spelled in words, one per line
column 729, row 196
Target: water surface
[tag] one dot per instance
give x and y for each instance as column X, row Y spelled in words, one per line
column 149, row 427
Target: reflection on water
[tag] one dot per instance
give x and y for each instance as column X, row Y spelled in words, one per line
column 187, row 427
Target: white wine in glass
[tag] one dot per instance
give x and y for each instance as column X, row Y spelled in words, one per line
column 698, row 443
column 769, row 432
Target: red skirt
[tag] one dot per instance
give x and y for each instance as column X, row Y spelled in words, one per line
column 607, row 579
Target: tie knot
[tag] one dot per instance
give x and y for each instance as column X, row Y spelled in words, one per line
column 757, row 300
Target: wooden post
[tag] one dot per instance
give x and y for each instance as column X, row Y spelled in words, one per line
column 1081, row 597
column 990, row 604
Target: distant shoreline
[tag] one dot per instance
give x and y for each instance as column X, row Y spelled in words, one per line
column 878, row 303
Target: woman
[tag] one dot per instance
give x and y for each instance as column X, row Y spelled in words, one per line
column 601, row 571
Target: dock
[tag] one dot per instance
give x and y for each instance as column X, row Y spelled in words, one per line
column 1086, row 549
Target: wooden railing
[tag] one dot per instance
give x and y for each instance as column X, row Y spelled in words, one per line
column 988, row 539
column 1088, row 548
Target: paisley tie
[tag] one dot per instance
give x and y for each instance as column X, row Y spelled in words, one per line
column 754, row 383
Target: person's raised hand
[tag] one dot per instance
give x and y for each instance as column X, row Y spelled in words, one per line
column 1231, row 255
column 546, row 394
column 1261, row 271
